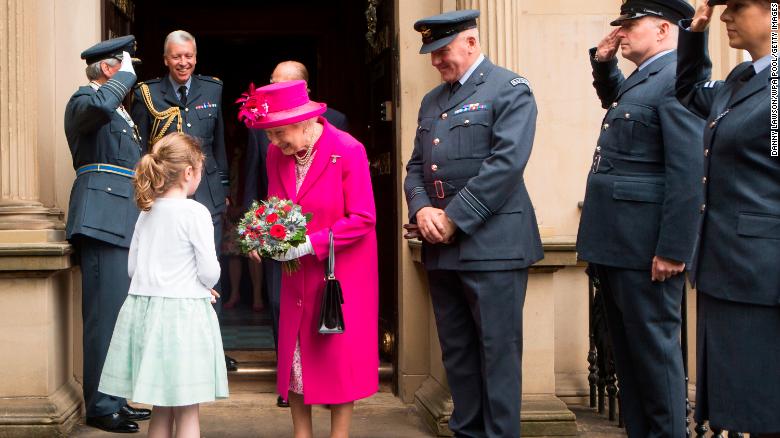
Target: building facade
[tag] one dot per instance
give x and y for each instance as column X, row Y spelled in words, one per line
column 546, row 41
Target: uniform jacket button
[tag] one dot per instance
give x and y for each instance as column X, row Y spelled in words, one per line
column 614, row 104
column 435, row 141
column 444, row 116
column 186, row 110
column 434, row 167
column 189, row 125
column 628, row 115
column 606, row 126
column 706, row 152
column 466, row 122
column 704, row 180
column 124, row 130
column 703, row 207
column 108, row 189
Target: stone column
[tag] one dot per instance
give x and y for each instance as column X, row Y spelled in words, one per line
column 38, row 393
column 22, row 217
column 499, row 22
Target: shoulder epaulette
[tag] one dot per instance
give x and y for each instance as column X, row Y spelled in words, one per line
column 147, row 82
column 213, row 79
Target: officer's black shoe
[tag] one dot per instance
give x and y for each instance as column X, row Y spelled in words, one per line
column 115, row 423
column 230, row 363
column 135, row 414
column 282, row 403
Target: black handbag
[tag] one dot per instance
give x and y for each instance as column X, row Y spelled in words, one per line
column 331, row 316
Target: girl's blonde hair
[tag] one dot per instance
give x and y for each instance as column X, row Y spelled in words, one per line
column 160, row 169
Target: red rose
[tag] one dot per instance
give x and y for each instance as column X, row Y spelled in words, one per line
column 287, row 208
column 271, row 218
column 278, row 231
column 260, row 210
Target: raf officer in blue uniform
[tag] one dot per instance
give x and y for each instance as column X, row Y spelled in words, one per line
column 105, row 147
column 465, row 191
column 736, row 262
column 638, row 224
column 184, row 102
column 256, row 186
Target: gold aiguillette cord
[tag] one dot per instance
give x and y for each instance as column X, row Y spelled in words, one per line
column 166, row 117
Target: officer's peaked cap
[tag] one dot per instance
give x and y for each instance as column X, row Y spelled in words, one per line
column 671, row 10
column 439, row 30
column 112, row 48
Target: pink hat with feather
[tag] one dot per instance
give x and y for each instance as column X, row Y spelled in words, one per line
column 278, row 104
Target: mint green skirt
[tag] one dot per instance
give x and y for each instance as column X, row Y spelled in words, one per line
column 165, row 352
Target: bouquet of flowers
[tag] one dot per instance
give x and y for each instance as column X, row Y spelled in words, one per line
column 271, row 228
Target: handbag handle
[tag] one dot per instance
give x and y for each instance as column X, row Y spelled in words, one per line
column 330, row 270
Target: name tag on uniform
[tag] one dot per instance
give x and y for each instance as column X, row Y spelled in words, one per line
column 469, row 107
column 517, row 81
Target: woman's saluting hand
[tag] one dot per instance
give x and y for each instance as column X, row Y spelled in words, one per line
column 701, row 21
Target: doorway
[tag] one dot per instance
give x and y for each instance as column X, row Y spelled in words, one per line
column 347, row 47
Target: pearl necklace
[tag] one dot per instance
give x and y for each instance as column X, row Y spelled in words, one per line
column 304, row 160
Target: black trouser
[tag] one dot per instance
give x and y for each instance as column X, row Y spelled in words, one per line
column 644, row 320
column 479, row 316
column 104, row 286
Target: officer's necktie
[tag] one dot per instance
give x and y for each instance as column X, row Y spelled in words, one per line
column 454, row 87
column 183, row 95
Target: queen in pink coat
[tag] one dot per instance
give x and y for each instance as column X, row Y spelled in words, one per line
column 326, row 172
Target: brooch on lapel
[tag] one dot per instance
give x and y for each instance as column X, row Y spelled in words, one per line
column 334, row 157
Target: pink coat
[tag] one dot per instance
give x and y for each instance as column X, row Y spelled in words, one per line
column 337, row 191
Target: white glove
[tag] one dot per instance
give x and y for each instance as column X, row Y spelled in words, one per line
column 127, row 63
column 296, row 252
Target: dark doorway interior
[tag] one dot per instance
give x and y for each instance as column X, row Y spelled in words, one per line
column 241, row 41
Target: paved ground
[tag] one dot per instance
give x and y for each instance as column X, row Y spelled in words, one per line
column 592, row 425
column 251, row 412
column 256, row 415
column 249, row 415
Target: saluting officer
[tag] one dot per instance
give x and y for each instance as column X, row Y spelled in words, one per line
column 105, row 148
column 465, row 191
column 638, row 224
column 738, row 253
column 189, row 103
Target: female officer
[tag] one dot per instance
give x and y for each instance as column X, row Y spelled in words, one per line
column 736, row 263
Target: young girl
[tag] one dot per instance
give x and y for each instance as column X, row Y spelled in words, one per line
column 166, row 349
